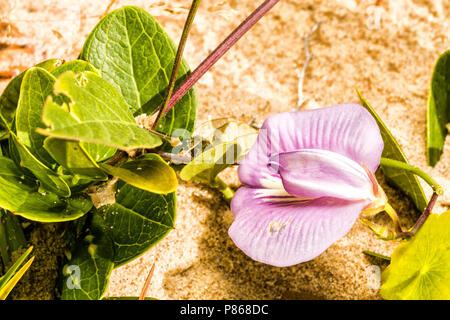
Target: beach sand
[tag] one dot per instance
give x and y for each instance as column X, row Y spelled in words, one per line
column 389, row 60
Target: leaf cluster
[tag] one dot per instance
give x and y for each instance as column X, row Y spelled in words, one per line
column 63, row 123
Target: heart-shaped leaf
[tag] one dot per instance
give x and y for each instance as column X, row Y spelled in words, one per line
column 438, row 112
column 211, row 162
column 141, row 65
column 20, row 195
column 137, row 221
column 87, row 273
column 150, row 173
column 119, row 233
column 97, row 114
column 420, row 267
column 404, row 180
column 10, row 96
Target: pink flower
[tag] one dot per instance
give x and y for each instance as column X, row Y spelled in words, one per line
column 308, row 177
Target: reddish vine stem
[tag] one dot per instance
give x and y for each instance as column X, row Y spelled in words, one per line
column 218, row 53
column 178, row 59
column 423, row 217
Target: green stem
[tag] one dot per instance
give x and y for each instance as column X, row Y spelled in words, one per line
column 417, row 171
column 437, row 191
column 178, row 59
column 227, row 192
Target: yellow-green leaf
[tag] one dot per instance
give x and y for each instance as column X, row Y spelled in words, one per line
column 97, row 114
column 420, row 267
column 73, row 157
column 20, row 195
column 12, row 276
column 48, row 178
column 37, row 85
column 10, row 96
column 75, row 66
column 150, row 173
column 211, row 162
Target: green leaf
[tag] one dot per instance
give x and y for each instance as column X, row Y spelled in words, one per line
column 10, row 96
column 210, row 163
column 87, row 273
column 150, row 173
column 14, row 232
column 132, row 51
column 48, row 178
column 37, row 85
column 4, row 248
column 136, row 222
column 10, row 279
column 59, row 117
column 119, row 233
column 12, row 270
column 97, row 114
column 73, row 157
column 5, row 291
column 14, row 154
column 438, row 112
column 20, row 195
column 75, row 66
column 420, row 267
column 403, row 180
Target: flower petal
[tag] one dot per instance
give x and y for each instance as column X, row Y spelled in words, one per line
column 315, row 173
column 347, row 129
column 287, row 233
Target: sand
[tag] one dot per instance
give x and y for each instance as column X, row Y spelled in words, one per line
column 389, row 59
